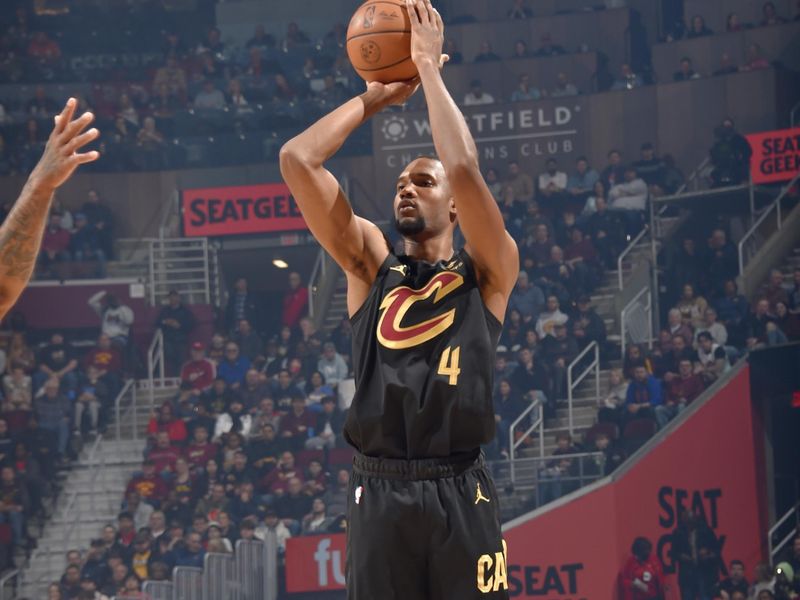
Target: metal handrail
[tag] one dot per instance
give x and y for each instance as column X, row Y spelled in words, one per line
column 627, row 251
column 648, row 309
column 574, row 382
column 118, row 416
column 773, row 550
column 776, row 205
column 317, row 272
column 155, row 359
column 4, row 581
column 98, row 468
column 538, row 422
column 693, row 177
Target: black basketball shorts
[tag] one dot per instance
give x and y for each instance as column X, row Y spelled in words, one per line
column 424, row 530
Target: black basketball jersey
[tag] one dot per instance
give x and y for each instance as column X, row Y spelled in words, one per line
column 423, row 351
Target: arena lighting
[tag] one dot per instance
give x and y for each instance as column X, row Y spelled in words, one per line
column 280, row 263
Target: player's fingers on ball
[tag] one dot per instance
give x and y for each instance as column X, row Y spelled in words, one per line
column 439, row 21
column 411, row 6
column 430, row 11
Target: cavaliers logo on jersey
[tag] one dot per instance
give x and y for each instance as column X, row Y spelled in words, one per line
column 391, row 331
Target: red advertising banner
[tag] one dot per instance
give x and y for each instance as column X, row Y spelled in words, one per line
column 315, row 563
column 575, row 551
column 237, row 210
column 776, row 155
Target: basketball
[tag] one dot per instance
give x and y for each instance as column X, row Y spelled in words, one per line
column 379, row 41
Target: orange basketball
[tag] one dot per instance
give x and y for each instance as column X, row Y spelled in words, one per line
column 379, row 41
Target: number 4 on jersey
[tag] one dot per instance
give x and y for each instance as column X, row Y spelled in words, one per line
column 448, row 365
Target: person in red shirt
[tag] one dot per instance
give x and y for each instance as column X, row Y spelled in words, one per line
column 164, row 455
column 296, row 425
column 681, row 390
column 104, row 357
column 199, row 372
column 166, row 421
column 276, row 482
column 55, row 246
column 295, row 301
column 200, row 451
column 642, row 577
column 43, row 48
column 150, row 487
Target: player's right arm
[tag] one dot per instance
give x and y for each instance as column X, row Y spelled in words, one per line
column 357, row 245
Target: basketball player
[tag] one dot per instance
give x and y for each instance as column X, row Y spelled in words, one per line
column 423, row 521
column 21, row 233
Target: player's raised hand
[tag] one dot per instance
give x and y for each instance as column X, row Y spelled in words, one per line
column 427, row 33
column 61, row 154
column 394, row 93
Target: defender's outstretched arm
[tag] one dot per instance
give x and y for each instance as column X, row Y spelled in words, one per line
column 21, row 233
column 488, row 243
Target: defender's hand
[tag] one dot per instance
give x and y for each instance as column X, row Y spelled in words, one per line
column 427, row 33
column 61, row 157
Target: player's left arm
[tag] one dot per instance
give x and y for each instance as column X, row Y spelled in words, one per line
column 21, row 233
column 492, row 249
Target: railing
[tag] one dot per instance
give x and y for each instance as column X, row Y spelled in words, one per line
column 182, row 264
column 747, row 245
column 157, row 590
column 774, row 549
column 537, row 423
column 695, row 178
column 318, row 272
column 187, row 583
column 172, row 211
column 220, row 579
column 634, row 242
column 632, row 310
column 120, row 416
column 96, row 460
column 4, row 581
column 573, row 382
column 155, row 363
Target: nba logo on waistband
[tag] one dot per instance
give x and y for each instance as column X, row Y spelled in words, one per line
column 359, row 491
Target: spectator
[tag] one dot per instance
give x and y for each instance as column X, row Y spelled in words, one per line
column 57, row 361
column 330, row 422
column 644, row 395
column 614, row 172
column 253, row 390
column 604, row 229
column 794, row 293
column 298, row 425
column 84, row 245
column 55, row 249
column 249, row 341
column 273, row 526
column 451, row 49
column 102, row 219
column 726, row 65
column 769, row 16
column 613, row 404
column 116, row 318
column 234, row 368
column 641, row 577
column 730, row 156
column 477, row 96
column 14, row 503
column 209, row 97
column 553, row 184
column 580, row 184
column 560, row 350
column 18, row 394
column 686, row 71
column 148, row 485
column 773, row 290
column 564, row 87
column 175, row 322
column 559, row 476
column 548, row 48
column 698, row 28
column 755, row 324
column 164, row 455
column 317, row 521
column 630, row 200
column 716, row 330
column 711, row 357
column 723, row 261
column 151, row 146
column 172, row 77
column 695, row 550
column 681, row 390
column 520, row 50
column 233, row 420
column 691, row 307
column 527, row 298
column 332, row 365
column 242, row 304
column 293, row 505
column 54, row 411
column 732, row 310
column 44, row 50
column 521, row 183
column 590, row 322
column 295, row 301
column 141, row 511
column 552, row 316
column 530, row 378
column 524, row 91
column 166, row 422
column 627, row 79
column 486, row 54
column 92, row 395
column 519, row 11
column 651, row 168
column 199, row 372
column 191, row 554
column 787, row 322
column 762, row 581
column 735, row 582
column 200, row 450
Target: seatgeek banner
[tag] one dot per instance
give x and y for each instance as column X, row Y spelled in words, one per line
column 239, row 210
column 776, row 155
column 575, row 551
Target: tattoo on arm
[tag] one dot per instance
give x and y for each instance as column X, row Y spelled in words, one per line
column 18, row 244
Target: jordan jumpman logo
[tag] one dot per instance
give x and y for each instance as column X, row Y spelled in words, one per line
column 480, row 496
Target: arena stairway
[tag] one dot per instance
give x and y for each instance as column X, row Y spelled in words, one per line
column 93, row 490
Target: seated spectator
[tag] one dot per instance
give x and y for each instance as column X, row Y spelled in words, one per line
column 627, row 79
column 527, row 298
column 191, row 553
column 55, row 249
column 477, row 96
column 787, row 322
column 54, row 412
column 770, row 16
column 176, row 322
column 559, row 351
column 234, row 367
column 651, row 168
column 590, row 322
column 508, row 406
column 519, row 11
column 253, row 390
column 200, row 450
column 56, row 360
column 273, row 525
column 164, row 455
column 564, row 87
column 614, row 172
column 755, row 59
column 681, row 390
column 698, row 28
column 668, row 365
column 630, row 200
column 726, row 65
column 293, row 505
column 20, row 353
column 148, row 485
column 734, row 24
column 644, row 395
column 691, row 307
column 250, row 344
column 549, row 318
column 199, row 372
column 552, row 184
column 520, row 50
column 613, row 403
column 17, row 402
column 531, row 379
column 711, row 358
column 773, row 291
column 43, row 49
column 166, row 422
column 548, row 48
column 559, row 476
column 735, row 581
column 297, row 424
column 603, row 228
column 581, row 182
column 717, row 330
column 486, row 54
column 233, row 420
column 755, row 324
column 330, row 423
column 14, row 504
column 332, row 365
column 524, row 91
column 521, row 183
column 92, row 395
column 566, row 279
column 84, row 245
column 686, row 71
column 723, row 261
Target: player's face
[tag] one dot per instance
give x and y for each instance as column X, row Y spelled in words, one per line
column 423, row 200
